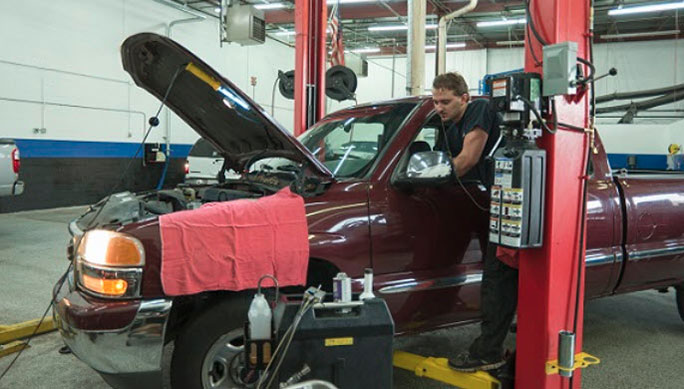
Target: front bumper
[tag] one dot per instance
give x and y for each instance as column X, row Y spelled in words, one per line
column 127, row 357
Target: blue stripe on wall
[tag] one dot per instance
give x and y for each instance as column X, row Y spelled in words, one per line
column 643, row 161
column 38, row 148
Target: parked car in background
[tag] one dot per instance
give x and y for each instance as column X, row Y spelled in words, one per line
column 424, row 239
column 9, row 169
column 203, row 164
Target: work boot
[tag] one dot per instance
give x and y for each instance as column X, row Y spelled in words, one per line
column 466, row 363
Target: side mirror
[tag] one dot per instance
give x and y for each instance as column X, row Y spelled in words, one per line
column 426, row 168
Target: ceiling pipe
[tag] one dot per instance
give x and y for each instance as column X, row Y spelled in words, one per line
column 442, row 33
column 416, row 48
column 182, row 8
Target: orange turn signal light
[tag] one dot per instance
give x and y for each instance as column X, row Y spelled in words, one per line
column 110, row 287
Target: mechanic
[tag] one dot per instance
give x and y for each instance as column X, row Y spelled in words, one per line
column 472, row 134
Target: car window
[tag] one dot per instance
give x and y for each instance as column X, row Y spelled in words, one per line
column 202, row 148
column 347, row 146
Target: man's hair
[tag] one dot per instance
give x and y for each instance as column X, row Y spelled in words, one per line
column 452, row 81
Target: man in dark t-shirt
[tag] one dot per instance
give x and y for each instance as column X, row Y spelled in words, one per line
column 473, row 134
column 473, row 127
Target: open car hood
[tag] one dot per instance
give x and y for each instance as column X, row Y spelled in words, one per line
column 213, row 106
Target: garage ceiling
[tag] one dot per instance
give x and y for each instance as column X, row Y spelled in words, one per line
column 358, row 17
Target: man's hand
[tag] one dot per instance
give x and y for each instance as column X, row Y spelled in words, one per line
column 473, row 145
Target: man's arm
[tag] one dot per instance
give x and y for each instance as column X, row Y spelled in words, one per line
column 473, row 145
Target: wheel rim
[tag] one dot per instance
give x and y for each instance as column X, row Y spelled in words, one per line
column 216, row 364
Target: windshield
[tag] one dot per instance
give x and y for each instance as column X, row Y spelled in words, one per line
column 347, row 145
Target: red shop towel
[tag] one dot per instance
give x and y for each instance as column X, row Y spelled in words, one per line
column 230, row 245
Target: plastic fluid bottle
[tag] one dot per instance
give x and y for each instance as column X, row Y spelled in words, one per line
column 367, row 285
column 259, row 316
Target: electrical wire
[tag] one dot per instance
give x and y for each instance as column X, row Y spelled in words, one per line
column 539, row 38
column 530, row 27
column 583, row 221
column 289, row 334
column 592, row 70
column 273, row 95
column 90, row 224
column 536, row 113
column 40, row 322
column 153, row 123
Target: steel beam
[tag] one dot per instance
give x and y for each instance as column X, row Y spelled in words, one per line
column 377, row 10
column 548, row 276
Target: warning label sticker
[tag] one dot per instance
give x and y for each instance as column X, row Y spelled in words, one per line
column 499, row 88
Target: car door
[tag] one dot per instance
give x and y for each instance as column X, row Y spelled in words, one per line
column 427, row 242
column 654, row 240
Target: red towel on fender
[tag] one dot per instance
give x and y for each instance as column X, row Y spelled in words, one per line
column 230, row 245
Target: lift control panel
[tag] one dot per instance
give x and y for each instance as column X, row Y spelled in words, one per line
column 517, row 194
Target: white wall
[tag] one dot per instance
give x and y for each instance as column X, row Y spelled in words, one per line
column 78, row 42
column 67, row 52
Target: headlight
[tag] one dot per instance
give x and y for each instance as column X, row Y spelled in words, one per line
column 109, row 264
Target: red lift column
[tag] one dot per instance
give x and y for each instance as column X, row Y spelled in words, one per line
column 548, row 276
column 310, row 27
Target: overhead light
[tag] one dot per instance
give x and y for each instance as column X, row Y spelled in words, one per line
column 509, row 43
column 269, row 6
column 503, row 22
column 639, row 34
column 456, row 45
column 366, row 50
column 398, row 27
column 395, row 27
column 646, row 8
column 217, row 10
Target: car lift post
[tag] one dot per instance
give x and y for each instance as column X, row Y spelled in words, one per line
column 310, row 27
column 548, row 275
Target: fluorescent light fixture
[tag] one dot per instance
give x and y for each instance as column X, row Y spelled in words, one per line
column 398, row 27
column 395, row 27
column 646, row 8
column 366, row 50
column 456, row 45
column 269, row 6
column 509, row 43
column 639, row 34
column 503, row 22
column 217, row 10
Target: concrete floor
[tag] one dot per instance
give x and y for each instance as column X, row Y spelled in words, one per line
column 639, row 337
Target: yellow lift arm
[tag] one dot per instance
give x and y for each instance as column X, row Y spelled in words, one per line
column 438, row 369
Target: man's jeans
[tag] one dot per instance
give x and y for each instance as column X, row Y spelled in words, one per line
column 499, row 300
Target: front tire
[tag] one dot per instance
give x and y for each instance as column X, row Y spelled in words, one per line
column 205, row 348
